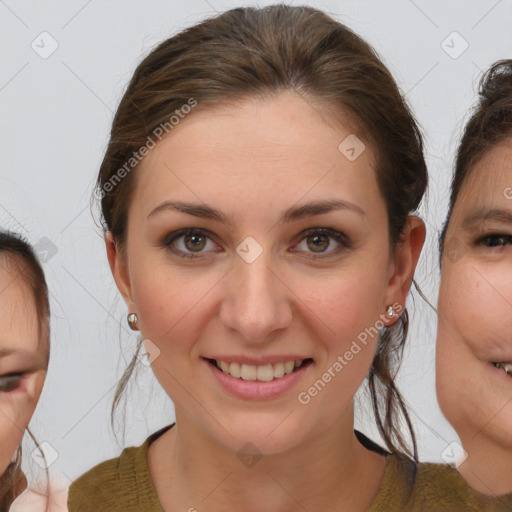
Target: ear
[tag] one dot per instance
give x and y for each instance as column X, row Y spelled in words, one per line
column 406, row 255
column 119, row 268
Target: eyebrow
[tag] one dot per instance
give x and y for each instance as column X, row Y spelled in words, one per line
column 31, row 360
column 10, row 351
column 475, row 217
column 292, row 214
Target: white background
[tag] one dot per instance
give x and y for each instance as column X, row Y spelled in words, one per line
column 55, row 118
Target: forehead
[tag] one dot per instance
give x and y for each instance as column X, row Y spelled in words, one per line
column 260, row 150
column 491, row 176
column 18, row 312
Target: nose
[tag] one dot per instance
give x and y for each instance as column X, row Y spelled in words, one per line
column 257, row 304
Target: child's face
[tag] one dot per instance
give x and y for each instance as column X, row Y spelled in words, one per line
column 259, row 289
column 23, row 359
column 474, row 351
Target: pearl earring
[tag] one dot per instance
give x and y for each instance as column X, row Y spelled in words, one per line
column 390, row 312
column 132, row 321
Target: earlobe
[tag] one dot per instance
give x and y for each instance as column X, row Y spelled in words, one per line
column 392, row 314
column 119, row 269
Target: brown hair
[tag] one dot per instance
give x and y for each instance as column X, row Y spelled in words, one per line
column 18, row 254
column 13, row 483
column 489, row 124
column 253, row 52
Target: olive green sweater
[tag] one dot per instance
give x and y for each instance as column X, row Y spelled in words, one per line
column 124, row 484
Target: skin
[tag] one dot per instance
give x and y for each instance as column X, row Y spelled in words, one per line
column 23, row 360
column 475, row 323
column 40, row 494
column 253, row 161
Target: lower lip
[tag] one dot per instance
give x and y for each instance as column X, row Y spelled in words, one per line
column 254, row 389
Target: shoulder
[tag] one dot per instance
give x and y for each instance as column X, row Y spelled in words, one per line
column 397, row 482
column 442, row 486
column 107, row 485
column 397, row 485
column 121, row 484
column 433, row 487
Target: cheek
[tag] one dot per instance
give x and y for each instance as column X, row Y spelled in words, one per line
column 475, row 327
column 174, row 306
column 348, row 306
column 15, row 414
column 476, row 303
column 167, row 298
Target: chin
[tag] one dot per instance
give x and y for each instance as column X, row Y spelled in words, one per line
column 500, row 433
column 263, row 434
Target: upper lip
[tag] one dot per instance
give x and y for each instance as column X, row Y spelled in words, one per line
column 258, row 361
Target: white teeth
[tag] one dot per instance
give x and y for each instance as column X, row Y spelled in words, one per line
column 264, row 373
column 289, row 366
column 278, row 370
column 248, row 372
column 235, row 370
column 506, row 367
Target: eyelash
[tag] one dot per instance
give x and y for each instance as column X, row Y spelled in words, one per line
column 494, row 237
column 337, row 236
column 6, row 379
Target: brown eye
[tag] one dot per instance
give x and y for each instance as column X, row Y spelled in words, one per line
column 495, row 240
column 10, row 382
column 319, row 243
column 319, row 240
column 189, row 243
column 194, row 242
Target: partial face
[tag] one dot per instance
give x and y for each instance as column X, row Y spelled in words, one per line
column 474, row 351
column 23, row 359
column 256, row 246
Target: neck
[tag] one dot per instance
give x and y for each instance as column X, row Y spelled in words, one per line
column 328, row 471
column 488, row 467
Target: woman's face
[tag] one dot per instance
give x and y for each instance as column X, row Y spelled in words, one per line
column 475, row 305
column 23, row 359
column 287, row 259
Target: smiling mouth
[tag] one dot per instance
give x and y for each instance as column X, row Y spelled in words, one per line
column 506, row 367
column 262, row 373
